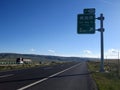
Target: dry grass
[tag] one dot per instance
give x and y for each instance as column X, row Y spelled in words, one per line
column 106, row 81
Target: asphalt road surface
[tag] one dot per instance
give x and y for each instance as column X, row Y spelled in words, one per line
column 69, row 76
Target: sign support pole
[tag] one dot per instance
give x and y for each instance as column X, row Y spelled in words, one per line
column 86, row 25
column 101, row 18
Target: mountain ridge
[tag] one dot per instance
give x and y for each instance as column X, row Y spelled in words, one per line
column 13, row 56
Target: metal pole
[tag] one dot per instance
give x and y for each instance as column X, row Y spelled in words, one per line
column 118, row 65
column 102, row 44
column 101, row 18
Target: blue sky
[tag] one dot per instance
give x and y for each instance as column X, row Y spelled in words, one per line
column 49, row 27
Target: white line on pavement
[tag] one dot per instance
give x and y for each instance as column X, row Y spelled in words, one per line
column 39, row 81
column 8, row 75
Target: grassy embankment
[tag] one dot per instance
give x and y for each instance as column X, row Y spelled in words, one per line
column 108, row 80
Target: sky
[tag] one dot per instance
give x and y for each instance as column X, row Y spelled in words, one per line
column 49, row 27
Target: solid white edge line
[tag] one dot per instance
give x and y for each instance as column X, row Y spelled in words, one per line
column 32, row 84
column 39, row 81
column 8, row 75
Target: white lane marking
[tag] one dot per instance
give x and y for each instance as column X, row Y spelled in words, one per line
column 39, row 81
column 8, row 75
column 32, row 84
column 63, row 71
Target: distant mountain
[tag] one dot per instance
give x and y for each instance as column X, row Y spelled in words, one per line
column 13, row 56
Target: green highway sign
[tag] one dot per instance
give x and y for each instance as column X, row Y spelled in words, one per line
column 89, row 11
column 86, row 24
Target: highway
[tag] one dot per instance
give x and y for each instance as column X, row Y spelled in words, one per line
column 68, row 76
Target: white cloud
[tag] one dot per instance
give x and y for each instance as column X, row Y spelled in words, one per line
column 112, row 50
column 52, row 51
column 87, row 52
column 111, row 53
column 32, row 50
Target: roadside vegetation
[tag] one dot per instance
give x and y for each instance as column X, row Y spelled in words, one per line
column 12, row 61
column 8, row 61
column 108, row 80
column 6, row 67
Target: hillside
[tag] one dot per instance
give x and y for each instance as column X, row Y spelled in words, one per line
column 13, row 56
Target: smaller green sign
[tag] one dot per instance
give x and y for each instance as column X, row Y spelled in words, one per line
column 86, row 23
column 89, row 11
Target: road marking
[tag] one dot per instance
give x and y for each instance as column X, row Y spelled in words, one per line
column 8, row 75
column 32, row 84
column 63, row 71
column 44, row 79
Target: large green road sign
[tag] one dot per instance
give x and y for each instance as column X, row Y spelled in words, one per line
column 86, row 22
